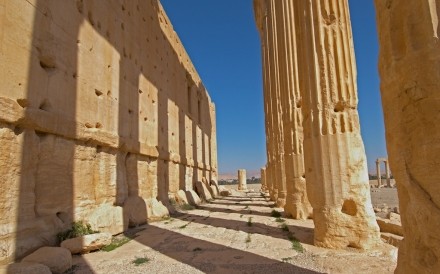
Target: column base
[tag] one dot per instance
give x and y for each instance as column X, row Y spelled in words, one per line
column 337, row 230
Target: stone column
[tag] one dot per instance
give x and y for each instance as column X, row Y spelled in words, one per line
column 267, row 25
column 263, row 180
column 387, row 173
column 297, row 204
column 409, row 70
column 242, row 185
column 379, row 174
column 335, row 161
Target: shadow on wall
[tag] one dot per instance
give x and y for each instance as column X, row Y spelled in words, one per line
column 88, row 62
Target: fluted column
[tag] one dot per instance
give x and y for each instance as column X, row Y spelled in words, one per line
column 335, row 161
column 275, row 101
column 297, row 204
column 409, row 65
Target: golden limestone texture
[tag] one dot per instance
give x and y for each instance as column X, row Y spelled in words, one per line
column 103, row 118
column 313, row 77
column 409, row 71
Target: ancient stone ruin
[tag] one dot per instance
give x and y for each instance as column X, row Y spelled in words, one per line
column 312, row 124
column 103, row 118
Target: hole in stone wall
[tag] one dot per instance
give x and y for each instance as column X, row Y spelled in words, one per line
column 63, row 216
column 98, row 92
column 18, row 130
column 80, row 6
column 41, row 134
column 23, row 102
column 98, row 149
column 98, row 125
column 349, row 207
column 339, row 107
column 90, row 17
column 47, row 63
column 45, row 105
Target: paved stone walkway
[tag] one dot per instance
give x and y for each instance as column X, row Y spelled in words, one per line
column 235, row 234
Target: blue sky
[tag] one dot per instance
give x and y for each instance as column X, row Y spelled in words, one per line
column 223, row 43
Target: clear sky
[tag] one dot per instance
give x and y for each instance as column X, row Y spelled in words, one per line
column 223, row 43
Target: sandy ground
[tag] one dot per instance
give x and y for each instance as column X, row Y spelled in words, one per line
column 233, row 234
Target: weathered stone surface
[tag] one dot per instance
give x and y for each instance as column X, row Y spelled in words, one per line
column 242, row 184
column 58, row 259
column 156, row 210
column 135, row 211
column 181, row 197
column 107, row 218
column 24, row 268
column 89, row 120
column 87, row 243
column 409, row 72
column 203, row 191
column 193, row 198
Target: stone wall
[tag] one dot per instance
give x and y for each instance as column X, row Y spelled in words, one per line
column 102, row 114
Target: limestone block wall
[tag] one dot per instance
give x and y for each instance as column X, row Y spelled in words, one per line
column 99, row 105
column 409, row 71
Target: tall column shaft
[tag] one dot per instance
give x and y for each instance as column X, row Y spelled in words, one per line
column 335, row 161
column 387, row 173
column 409, row 63
column 242, row 184
column 297, row 204
column 263, row 179
column 379, row 174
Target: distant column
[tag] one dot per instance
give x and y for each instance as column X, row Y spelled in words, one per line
column 387, row 172
column 263, row 180
column 242, row 185
column 335, row 160
column 379, row 175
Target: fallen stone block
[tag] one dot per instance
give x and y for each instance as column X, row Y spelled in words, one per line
column 391, row 239
column 193, row 198
column 156, row 210
column 203, row 191
column 135, row 210
column 25, row 268
column 87, row 243
column 58, row 259
column 181, row 197
column 390, row 226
